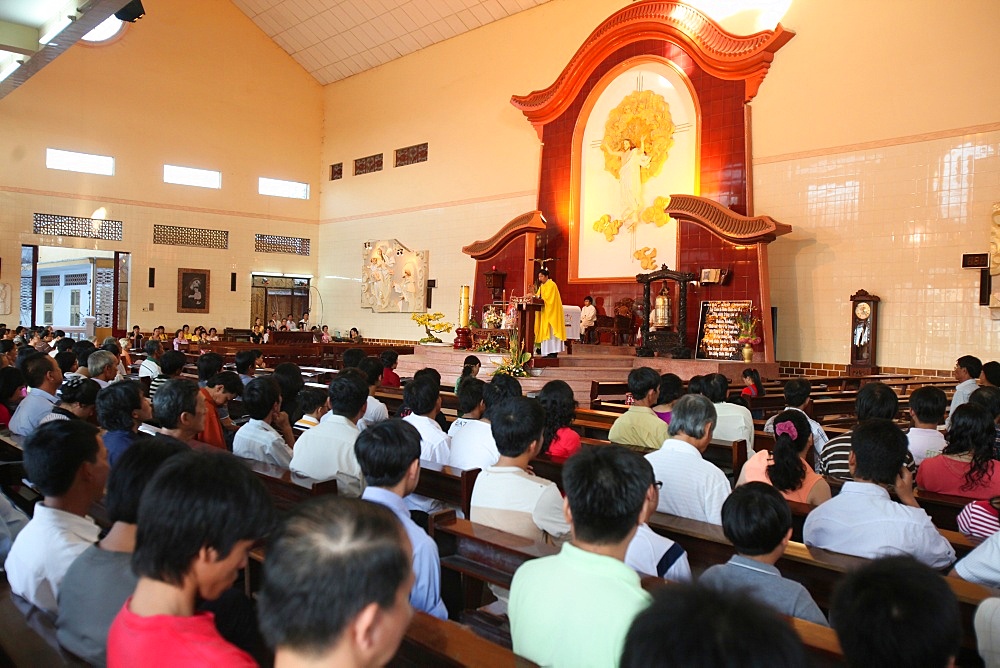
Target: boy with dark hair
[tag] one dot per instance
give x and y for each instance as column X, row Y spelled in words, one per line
column 389, row 454
column 796, row 392
column 101, row 579
column 43, row 376
column 863, row 520
column 180, row 410
column 639, row 425
column 351, row 358
column 268, row 436
column 171, row 364
column 218, row 391
column 896, row 612
column 246, row 364
column 555, row 600
column 508, row 496
column 375, row 410
column 327, row 450
column 121, row 408
column 67, row 462
column 690, row 625
column 733, row 422
column 209, row 364
column 473, row 446
column 927, row 406
column 757, row 521
column 314, row 406
column 150, row 367
column 423, row 396
column 470, row 405
column 181, row 556
column 390, row 360
column 875, row 400
column 967, row 372
column 336, row 583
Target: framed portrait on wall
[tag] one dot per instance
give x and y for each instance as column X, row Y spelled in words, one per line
column 636, row 143
column 192, row 290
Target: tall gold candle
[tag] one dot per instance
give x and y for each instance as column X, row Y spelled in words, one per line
column 463, row 316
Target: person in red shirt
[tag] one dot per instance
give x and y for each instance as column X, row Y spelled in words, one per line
column 12, row 385
column 559, row 439
column 390, row 358
column 219, row 390
column 966, row 466
column 197, row 520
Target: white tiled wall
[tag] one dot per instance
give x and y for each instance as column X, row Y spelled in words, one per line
column 894, row 221
column 228, row 309
column 441, row 230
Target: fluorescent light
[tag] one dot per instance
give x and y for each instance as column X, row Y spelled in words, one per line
column 79, row 162
column 279, row 188
column 189, row 176
column 9, row 69
column 298, row 275
column 55, row 29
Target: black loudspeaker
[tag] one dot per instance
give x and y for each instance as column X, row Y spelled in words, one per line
column 152, row 277
column 131, row 12
column 232, row 282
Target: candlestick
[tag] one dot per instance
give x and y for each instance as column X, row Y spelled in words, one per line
column 463, row 316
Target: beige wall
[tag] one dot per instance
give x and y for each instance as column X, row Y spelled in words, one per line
column 194, row 83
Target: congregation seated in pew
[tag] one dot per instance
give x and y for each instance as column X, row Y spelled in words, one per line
column 863, row 520
column 336, row 585
column 43, row 377
column 966, row 466
column 733, row 422
column 757, row 521
column 268, row 436
column 796, row 392
column 179, row 408
column 314, row 406
column 927, row 407
column 121, row 408
column 471, row 406
column 326, row 451
column 218, row 391
column 692, row 486
column 555, row 600
column 648, row 552
column 785, row 467
column 473, row 446
column 375, row 410
column 423, row 396
column 181, row 556
column 559, row 441
column 171, row 365
column 639, row 425
column 389, row 454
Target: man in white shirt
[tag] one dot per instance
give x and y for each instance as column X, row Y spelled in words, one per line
column 150, row 367
column 796, row 391
column 326, row 451
column 66, row 460
column 692, row 486
column 927, row 406
column 967, row 371
column 268, row 436
column 375, row 410
column 44, row 377
column 423, row 396
column 863, row 520
column 471, row 406
column 733, row 422
column 473, row 446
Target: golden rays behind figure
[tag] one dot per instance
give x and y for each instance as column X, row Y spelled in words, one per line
column 642, row 117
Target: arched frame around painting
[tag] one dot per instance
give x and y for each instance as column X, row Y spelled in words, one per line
column 609, row 240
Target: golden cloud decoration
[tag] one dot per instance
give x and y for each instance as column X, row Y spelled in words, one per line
column 642, row 117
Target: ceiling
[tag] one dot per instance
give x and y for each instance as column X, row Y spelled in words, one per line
column 334, row 39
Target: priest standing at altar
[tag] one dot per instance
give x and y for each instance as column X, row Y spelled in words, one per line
column 550, row 325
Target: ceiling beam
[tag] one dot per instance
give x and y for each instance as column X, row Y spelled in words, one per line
column 89, row 18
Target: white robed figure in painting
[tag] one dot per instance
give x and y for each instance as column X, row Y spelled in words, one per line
column 630, row 179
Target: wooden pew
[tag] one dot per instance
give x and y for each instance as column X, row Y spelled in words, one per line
column 448, row 484
column 29, row 640
column 482, row 555
column 288, row 489
column 433, row 642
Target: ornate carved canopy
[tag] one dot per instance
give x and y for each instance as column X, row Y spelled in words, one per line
column 527, row 223
column 724, row 223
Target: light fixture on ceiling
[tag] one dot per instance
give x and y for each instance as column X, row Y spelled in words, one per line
column 54, row 29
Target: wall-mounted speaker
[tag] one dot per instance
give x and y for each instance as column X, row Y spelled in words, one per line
column 152, row 277
column 232, row 282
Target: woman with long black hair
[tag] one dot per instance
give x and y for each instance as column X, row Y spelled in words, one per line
column 786, row 467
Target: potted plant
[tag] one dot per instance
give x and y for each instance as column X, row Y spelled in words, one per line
column 748, row 334
column 432, row 324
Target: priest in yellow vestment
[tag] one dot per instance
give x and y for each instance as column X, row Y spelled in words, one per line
column 550, row 325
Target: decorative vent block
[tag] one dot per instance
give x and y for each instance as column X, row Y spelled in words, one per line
column 411, row 155
column 77, row 279
column 367, row 165
column 271, row 243
column 171, row 235
column 337, row 171
column 49, row 281
column 73, row 226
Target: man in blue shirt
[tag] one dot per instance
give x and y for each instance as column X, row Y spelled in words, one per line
column 389, row 454
column 44, row 377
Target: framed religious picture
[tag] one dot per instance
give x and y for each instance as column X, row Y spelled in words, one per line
column 192, row 290
column 636, row 143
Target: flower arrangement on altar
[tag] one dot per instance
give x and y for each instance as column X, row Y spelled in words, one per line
column 493, row 317
column 432, row 324
column 514, row 363
column 748, row 328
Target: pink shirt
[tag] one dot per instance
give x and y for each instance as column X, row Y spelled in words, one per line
column 565, row 443
column 755, row 470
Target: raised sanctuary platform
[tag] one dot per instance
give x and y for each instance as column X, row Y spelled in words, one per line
column 587, row 363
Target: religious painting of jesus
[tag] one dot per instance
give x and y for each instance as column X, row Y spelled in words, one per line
column 192, row 290
column 636, row 144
